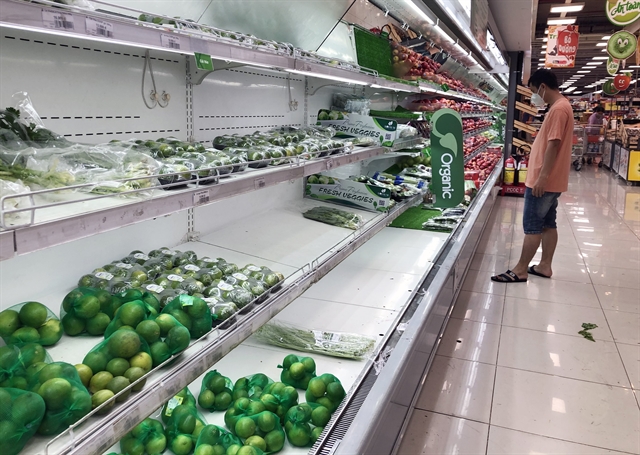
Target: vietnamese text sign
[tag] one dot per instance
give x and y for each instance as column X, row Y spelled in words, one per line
column 562, row 46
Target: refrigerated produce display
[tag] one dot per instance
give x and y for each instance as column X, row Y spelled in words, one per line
column 193, row 260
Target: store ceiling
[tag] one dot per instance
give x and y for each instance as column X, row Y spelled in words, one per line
column 593, row 25
column 516, row 34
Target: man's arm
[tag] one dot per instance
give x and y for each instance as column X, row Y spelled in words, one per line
column 550, row 157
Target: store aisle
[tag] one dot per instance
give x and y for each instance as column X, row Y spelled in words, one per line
column 512, row 375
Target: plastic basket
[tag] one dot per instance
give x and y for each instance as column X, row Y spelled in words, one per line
column 373, row 51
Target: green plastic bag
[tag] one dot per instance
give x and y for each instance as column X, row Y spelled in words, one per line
column 146, row 438
column 125, row 345
column 297, row 371
column 262, row 430
column 304, row 423
column 183, row 429
column 131, row 314
column 251, row 386
column 17, row 365
column 215, row 392
column 214, row 439
column 20, row 415
column 191, row 312
column 138, row 294
column 183, row 397
column 87, row 310
column 325, row 390
column 279, row 398
column 66, row 399
column 29, row 322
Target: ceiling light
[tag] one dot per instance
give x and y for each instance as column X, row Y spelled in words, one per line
column 420, row 13
column 540, row 64
column 562, row 21
column 600, row 58
column 544, row 40
column 327, row 76
column 543, row 47
column 633, row 81
column 601, row 44
column 567, row 8
column 395, row 89
column 606, row 37
column 543, row 59
column 570, row 89
column 543, row 52
column 546, row 31
column 584, row 71
column 599, row 91
column 594, row 63
column 603, row 50
column 633, row 66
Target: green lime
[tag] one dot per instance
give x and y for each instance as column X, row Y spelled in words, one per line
column 133, row 374
column 72, row 325
column 132, row 446
column 289, row 360
column 256, row 441
column 182, row 445
column 327, row 403
column 99, row 381
column 274, row 440
column 297, row 370
column 159, row 352
column 255, row 407
column 117, row 366
column 204, row 449
column 245, row 427
column 32, row 353
column 118, row 384
column 178, row 339
column 335, row 392
column 9, row 322
column 166, row 322
column 27, row 408
column 85, row 373
column 247, row 450
column 98, row 324
column 24, row 335
column 131, row 313
column 156, row 444
column 315, row 433
column 223, row 400
column 309, row 364
column 320, row 416
column 217, row 383
column 317, row 387
column 266, row 421
column 33, row 314
column 149, row 330
column 50, row 332
column 182, row 317
column 55, row 393
column 99, row 398
column 87, row 307
column 96, row 360
column 299, row 435
column 142, row 360
column 124, row 343
column 206, row 399
column 233, row 449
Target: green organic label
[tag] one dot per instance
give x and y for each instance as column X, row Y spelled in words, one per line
column 447, row 158
column 622, row 12
column 612, row 65
column 444, row 87
column 203, row 61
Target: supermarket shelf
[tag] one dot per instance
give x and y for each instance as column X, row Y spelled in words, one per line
column 477, row 152
column 318, row 249
column 478, row 114
column 407, row 143
column 428, row 88
column 477, row 132
column 65, row 223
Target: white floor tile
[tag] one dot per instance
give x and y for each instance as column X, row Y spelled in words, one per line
column 480, row 281
column 551, row 290
column 618, row 299
column 493, row 245
column 576, row 411
column 567, row 271
column 489, row 262
column 616, row 277
column 503, row 441
column 458, row 387
column 631, row 359
column 554, row 317
column 625, row 327
column 562, row 355
column 479, row 307
column 469, row 340
column 432, row 434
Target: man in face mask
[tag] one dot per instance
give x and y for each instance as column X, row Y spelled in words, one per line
column 547, row 178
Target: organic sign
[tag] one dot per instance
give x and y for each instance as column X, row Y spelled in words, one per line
column 622, row 12
column 447, row 158
column 612, row 65
column 562, row 46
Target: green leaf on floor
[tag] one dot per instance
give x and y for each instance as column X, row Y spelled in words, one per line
column 587, row 335
column 589, row 326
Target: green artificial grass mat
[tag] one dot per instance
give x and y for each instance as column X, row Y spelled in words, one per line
column 414, row 217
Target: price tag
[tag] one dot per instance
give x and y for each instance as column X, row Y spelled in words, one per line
column 192, row 267
column 170, row 41
column 172, row 404
column 97, row 27
column 177, row 278
column 57, row 20
column 168, row 252
column 201, row 197
column 260, row 183
column 253, row 268
column 225, row 286
column 208, row 260
column 142, row 256
column 444, row 87
column 329, row 163
column 240, row 276
column 122, row 265
column 104, row 275
column 155, row 288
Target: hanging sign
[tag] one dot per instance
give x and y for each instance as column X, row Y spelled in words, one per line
column 447, row 158
column 609, row 88
column 622, row 12
column 203, row 61
column 622, row 81
column 620, row 47
column 613, row 64
column 562, row 46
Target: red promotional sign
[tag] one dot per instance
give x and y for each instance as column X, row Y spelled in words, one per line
column 562, row 46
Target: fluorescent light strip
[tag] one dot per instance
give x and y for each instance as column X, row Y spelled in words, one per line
column 546, row 31
column 584, row 71
column 562, row 21
column 600, row 58
column 567, row 8
column 601, row 44
column 543, row 52
column 421, row 13
column 326, row 76
column 398, row 89
column 544, row 40
column 444, row 34
column 594, row 63
column 542, row 59
column 606, row 37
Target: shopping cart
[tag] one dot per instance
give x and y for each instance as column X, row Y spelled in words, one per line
column 577, row 149
column 595, row 144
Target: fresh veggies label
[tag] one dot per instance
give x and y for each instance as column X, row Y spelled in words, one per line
column 622, row 12
column 356, row 125
column 447, row 158
column 352, row 194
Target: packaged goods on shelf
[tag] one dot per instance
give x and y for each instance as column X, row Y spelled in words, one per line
column 373, row 197
column 406, row 131
column 21, row 413
column 11, row 188
column 335, row 217
column 29, row 322
column 351, row 103
column 184, row 396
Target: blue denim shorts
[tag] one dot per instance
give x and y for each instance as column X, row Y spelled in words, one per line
column 539, row 212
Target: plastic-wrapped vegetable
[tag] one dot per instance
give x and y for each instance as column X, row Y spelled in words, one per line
column 146, row 438
column 18, row 365
column 251, row 386
column 215, row 392
column 21, row 413
column 66, row 399
column 184, row 397
column 191, row 312
column 279, row 398
column 305, row 422
column 223, row 312
column 335, row 217
column 297, row 371
column 87, row 310
column 183, row 429
column 29, row 322
column 216, row 440
column 14, row 188
column 325, row 390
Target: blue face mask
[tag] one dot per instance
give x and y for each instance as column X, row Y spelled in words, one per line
column 537, row 100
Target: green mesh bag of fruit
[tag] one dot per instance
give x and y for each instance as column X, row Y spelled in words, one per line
column 326, row 390
column 216, row 392
column 29, row 322
column 279, row 398
column 251, row 386
column 21, row 412
column 138, row 294
column 183, row 397
column 17, row 365
column 87, row 310
column 66, row 398
column 304, row 423
column 191, row 312
column 146, row 438
column 261, row 431
column 214, row 439
column 183, row 427
column 297, row 371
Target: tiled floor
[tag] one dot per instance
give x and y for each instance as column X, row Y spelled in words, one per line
column 512, row 374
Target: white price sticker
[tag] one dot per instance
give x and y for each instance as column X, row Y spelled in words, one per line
column 122, row 265
column 155, row 288
column 225, row 286
column 168, row 252
column 253, row 268
column 97, row 27
column 240, row 276
column 177, row 278
column 260, row 183
column 193, row 268
column 208, row 260
column 201, row 197
column 142, row 256
column 170, row 41
column 57, row 20
column 104, row 275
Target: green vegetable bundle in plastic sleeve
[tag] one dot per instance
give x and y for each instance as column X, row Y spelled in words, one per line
column 223, row 312
column 125, row 345
column 191, row 312
column 304, row 423
column 215, row 392
column 335, row 217
column 325, row 390
column 183, row 429
column 251, row 386
column 21, row 413
column 216, row 440
column 66, row 398
column 87, row 310
column 18, row 365
column 263, row 274
column 297, row 371
column 279, row 398
column 258, row 429
column 29, row 322
column 183, row 397
column 146, row 438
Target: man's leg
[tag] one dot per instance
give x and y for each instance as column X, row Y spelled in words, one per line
column 549, row 242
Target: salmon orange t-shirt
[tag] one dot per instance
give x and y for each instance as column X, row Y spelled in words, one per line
column 558, row 124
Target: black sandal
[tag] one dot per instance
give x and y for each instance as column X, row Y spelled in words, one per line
column 508, row 277
column 532, row 270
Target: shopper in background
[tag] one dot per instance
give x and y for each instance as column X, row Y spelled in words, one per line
column 547, row 178
column 595, row 121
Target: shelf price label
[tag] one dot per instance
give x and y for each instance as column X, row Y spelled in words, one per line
column 57, row 20
column 201, row 197
column 170, row 41
column 95, row 27
column 260, row 183
column 203, row 61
